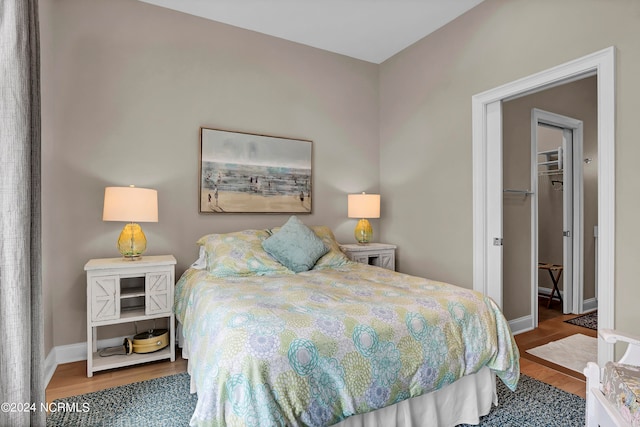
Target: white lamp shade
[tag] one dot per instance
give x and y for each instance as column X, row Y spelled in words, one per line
column 130, row 204
column 363, row 205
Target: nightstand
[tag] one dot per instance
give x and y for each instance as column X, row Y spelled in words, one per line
column 124, row 291
column 378, row 254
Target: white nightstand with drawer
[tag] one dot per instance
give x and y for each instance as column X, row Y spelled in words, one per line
column 124, row 291
column 378, row 254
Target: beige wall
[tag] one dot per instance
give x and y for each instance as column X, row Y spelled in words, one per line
column 126, row 87
column 577, row 100
column 425, row 126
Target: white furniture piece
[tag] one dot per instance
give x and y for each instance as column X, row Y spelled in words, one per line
column 125, row 291
column 600, row 411
column 378, row 254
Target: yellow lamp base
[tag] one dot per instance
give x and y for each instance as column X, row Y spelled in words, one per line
column 132, row 242
column 363, row 231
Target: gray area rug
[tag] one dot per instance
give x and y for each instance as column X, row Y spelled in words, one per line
column 158, row 402
column 589, row 320
column 535, row 404
column 166, row 402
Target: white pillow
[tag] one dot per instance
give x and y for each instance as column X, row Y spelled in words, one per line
column 201, row 262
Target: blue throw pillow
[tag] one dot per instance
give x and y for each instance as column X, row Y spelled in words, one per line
column 295, row 246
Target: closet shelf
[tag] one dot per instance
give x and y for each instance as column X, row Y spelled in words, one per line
column 551, row 163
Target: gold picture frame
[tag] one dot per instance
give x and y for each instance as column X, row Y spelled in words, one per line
column 250, row 173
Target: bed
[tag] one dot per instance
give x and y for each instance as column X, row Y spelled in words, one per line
column 335, row 343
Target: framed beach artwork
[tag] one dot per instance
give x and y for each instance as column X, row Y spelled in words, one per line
column 249, row 173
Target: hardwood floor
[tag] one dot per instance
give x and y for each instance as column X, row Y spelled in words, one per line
column 70, row 379
column 551, row 327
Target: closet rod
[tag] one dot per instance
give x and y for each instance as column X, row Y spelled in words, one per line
column 525, row 192
column 551, row 172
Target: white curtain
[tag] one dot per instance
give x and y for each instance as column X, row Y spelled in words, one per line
column 21, row 312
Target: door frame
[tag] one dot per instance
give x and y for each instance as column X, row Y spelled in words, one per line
column 487, row 180
column 573, row 217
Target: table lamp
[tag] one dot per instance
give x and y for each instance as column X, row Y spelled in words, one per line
column 363, row 206
column 131, row 204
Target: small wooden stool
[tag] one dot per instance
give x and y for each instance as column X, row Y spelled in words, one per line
column 555, row 278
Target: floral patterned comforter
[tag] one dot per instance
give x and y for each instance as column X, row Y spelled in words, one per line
column 316, row 347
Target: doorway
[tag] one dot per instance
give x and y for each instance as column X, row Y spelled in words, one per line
column 488, row 188
column 555, row 234
column 543, row 194
column 558, row 144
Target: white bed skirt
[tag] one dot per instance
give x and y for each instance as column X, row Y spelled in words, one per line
column 462, row 402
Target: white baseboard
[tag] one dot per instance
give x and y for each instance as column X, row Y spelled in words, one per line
column 525, row 323
column 72, row 353
column 520, row 325
column 590, row 304
column 546, row 291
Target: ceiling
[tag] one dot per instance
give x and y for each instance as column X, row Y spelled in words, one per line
column 370, row 30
